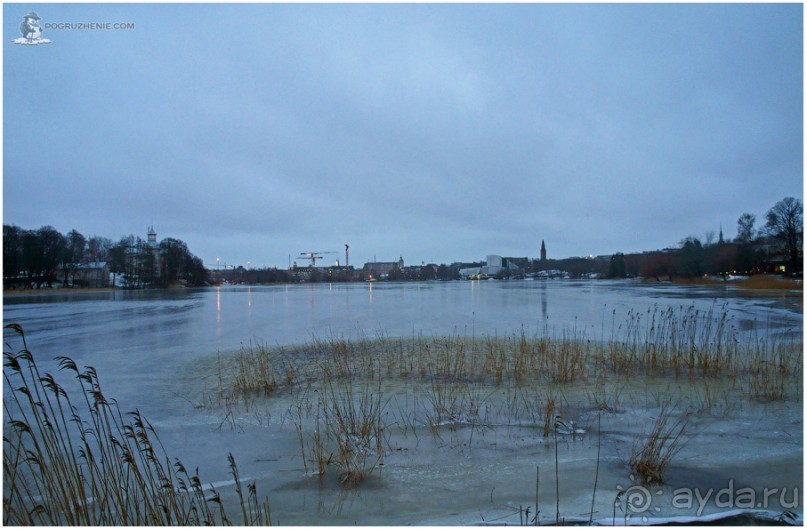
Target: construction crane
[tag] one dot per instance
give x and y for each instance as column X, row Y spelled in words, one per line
column 313, row 256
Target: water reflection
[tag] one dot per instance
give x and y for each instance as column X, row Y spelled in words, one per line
column 218, row 310
column 185, row 322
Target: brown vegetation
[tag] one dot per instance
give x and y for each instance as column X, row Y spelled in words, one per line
column 651, row 455
column 99, row 467
column 343, row 389
column 754, row 282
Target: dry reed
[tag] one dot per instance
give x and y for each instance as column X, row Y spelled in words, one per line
column 62, row 467
column 665, row 439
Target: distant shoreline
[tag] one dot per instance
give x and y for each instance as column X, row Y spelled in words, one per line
column 757, row 283
column 45, row 291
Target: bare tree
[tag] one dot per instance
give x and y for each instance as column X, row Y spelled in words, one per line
column 785, row 224
column 745, row 228
column 75, row 245
column 97, row 248
column 12, row 251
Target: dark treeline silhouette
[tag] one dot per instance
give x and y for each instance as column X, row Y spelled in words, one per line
column 254, row 276
column 45, row 257
column 777, row 247
column 33, row 258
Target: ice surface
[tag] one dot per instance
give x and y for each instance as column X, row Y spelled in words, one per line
column 159, row 351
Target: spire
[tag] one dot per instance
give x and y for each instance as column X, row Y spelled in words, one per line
column 720, row 238
column 543, row 251
column 152, row 236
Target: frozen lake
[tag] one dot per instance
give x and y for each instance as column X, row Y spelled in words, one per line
column 148, row 345
column 120, row 332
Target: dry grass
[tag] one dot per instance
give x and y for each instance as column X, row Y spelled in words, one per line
column 768, row 282
column 651, row 456
column 353, row 423
column 683, row 342
column 99, row 467
column 773, row 365
column 754, row 282
column 686, row 343
column 347, row 429
column 605, row 397
column 482, row 381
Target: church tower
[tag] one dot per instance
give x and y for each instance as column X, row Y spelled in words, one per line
column 152, row 237
column 151, row 242
column 543, row 251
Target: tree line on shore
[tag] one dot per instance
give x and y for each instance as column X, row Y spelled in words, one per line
column 43, row 257
column 777, row 247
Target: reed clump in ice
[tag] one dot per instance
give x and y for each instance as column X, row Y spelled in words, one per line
column 681, row 344
column 651, row 455
column 475, row 381
column 90, row 464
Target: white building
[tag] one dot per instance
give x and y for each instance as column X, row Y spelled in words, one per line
column 493, row 265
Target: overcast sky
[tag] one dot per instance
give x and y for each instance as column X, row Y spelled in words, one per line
column 438, row 133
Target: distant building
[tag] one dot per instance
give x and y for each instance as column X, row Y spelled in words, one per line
column 419, row 272
column 543, row 251
column 92, row 275
column 523, row 263
column 494, row 266
column 381, row 270
column 339, row 273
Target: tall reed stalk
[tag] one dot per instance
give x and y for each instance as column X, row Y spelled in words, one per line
column 62, row 466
